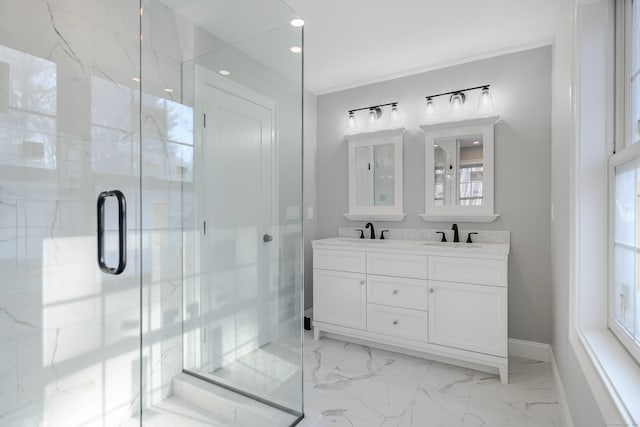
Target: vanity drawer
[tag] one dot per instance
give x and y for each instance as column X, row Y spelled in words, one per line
column 397, row 292
column 490, row 272
column 400, row 265
column 339, row 260
column 399, row 322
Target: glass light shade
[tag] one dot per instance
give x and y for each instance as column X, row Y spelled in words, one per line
column 394, row 117
column 430, row 113
column 485, row 102
column 457, row 102
column 374, row 117
column 352, row 123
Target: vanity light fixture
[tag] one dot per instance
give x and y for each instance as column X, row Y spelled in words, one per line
column 457, row 99
column 375, row 114
column 297, row 22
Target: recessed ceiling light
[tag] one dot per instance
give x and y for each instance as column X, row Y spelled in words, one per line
column 135, row 79
column 297, row 22
column 168, row 90
column 476, row 142
column 296, row 49
column 224, row 72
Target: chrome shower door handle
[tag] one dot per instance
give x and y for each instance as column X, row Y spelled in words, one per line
column 122, row 231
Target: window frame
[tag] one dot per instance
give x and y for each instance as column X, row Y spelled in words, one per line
column 624, row 151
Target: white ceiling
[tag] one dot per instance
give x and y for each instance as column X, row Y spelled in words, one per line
column 348, row 43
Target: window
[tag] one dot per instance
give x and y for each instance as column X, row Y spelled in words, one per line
column 624, row 300
column 471, row 184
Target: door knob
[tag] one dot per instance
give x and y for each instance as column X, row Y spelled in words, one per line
column 267, row 238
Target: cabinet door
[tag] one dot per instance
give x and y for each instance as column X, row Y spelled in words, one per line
column 340, row 298
column 468, row 317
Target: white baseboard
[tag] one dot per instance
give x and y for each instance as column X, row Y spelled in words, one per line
column 566, row 414
column 529, row 350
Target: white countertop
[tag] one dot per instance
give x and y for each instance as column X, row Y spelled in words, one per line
column 420, row 247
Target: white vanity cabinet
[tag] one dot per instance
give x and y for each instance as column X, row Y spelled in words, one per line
column 451, row 306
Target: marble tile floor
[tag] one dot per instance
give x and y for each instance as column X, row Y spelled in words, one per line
column 357, row 386
column 348, row 384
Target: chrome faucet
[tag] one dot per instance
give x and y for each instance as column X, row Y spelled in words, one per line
column 456, row 236
column 373, row 233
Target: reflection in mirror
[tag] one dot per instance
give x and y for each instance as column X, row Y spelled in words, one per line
column 363, row 176
column 459, row 167
column 458, row 171
column 375, row 175
column 383, row 175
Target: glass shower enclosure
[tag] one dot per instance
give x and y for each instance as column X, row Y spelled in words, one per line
column 150, row 213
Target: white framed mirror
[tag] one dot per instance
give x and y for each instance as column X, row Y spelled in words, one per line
column 375, row 176
column 459, row 168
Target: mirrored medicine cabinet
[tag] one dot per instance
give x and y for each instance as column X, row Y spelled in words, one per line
column 375, row 175
column 459, row 166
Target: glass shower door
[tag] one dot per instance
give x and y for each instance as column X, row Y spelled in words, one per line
column 243, row 241
column 126, row 259
column 69, row 132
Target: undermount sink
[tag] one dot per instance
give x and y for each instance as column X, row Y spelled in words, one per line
column 359, row 240
column 378, row 242
column 453, row 244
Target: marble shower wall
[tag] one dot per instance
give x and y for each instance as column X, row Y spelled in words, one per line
column 70, row 128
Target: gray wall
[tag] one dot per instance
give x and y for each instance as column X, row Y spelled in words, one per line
column 581, row 402
column 521, row 86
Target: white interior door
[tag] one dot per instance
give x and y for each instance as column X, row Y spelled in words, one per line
column 236, row 191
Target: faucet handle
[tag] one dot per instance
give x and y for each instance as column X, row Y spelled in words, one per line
column 382, row 234
column 444, row 237
column 361, row 232
column 469, row 237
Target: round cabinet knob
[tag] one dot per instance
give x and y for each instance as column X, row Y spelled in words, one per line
column 362, row 282
column 267, row 238
column 431, row 290
column 395, row 292
column 395, row 322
